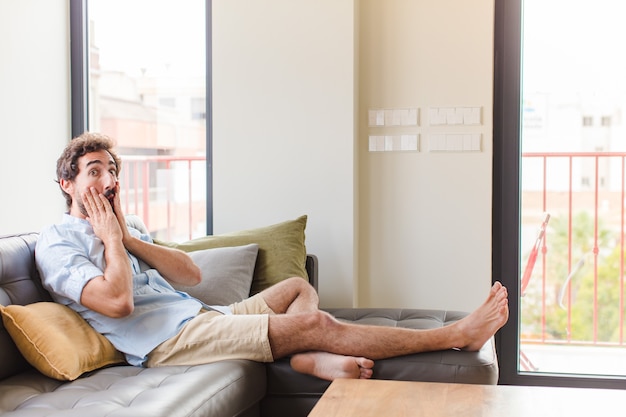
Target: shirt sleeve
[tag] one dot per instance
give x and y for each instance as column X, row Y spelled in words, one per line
column 138, row 234
column 64, row 265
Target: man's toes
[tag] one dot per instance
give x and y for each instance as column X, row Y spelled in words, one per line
column 366, row 373
column 365, row 363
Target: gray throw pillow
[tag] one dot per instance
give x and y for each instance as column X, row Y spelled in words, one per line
column 226, row 274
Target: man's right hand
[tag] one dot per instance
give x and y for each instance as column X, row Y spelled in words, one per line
column 103, row 219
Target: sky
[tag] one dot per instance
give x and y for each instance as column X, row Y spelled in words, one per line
column 574, row 45
column 157, row 35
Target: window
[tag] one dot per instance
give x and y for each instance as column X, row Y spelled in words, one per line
column 583, row 193
column 140, row 75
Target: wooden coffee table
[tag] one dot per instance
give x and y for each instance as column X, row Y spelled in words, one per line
column 375, row 398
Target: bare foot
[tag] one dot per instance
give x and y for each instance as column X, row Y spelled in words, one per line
column 486, row 320
column 330, row 366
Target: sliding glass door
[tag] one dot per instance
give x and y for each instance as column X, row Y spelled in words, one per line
column 559, row 189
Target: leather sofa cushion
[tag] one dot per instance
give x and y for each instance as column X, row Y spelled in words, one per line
column 19, row 284
column 226, row 388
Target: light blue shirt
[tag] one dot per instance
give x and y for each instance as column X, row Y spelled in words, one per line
column 69, row 255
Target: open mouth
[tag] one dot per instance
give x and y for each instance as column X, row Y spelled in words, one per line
column 110, row 195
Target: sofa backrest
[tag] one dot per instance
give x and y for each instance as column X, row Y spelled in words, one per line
column 19, row 284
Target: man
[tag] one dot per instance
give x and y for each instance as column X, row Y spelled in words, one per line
column 90, row 262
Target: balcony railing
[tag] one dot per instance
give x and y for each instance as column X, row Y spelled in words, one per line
column 167, row 192
column 576, row 292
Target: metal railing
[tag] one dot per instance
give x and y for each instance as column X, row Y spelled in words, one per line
column 167, row 192
column 585, row 193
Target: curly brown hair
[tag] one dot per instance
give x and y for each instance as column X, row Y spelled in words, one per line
column 67, row 164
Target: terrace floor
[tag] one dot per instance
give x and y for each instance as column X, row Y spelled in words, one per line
column 570, row 359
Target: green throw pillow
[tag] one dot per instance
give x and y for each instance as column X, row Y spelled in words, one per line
column 282, row 253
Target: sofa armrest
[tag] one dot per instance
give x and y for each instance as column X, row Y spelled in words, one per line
column 136, row 222
column 311, row 266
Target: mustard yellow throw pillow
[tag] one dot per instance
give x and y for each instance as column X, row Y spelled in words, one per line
column 57, row 341
column 282, row 252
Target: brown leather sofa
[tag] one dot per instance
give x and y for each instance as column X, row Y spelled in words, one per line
column 229, row 388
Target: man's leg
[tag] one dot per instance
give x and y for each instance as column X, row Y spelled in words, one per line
column 297, row 296
column 319, row 331
column 291, row 296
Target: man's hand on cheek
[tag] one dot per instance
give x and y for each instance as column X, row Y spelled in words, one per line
column 101, row 216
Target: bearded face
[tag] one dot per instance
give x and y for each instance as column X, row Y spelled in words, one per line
column 109, row 194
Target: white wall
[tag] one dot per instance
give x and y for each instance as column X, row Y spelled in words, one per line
column 284, row 130
column 291, row 137
column 425, row 217
column 34, row 110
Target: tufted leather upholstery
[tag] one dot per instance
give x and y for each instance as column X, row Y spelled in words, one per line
column 19, row 284
column 19, row 279
column 443, row 366
column 228, row 388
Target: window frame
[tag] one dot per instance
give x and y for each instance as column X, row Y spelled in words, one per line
column 79, row 67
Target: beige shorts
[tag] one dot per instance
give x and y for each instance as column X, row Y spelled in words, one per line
column 212, row 336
